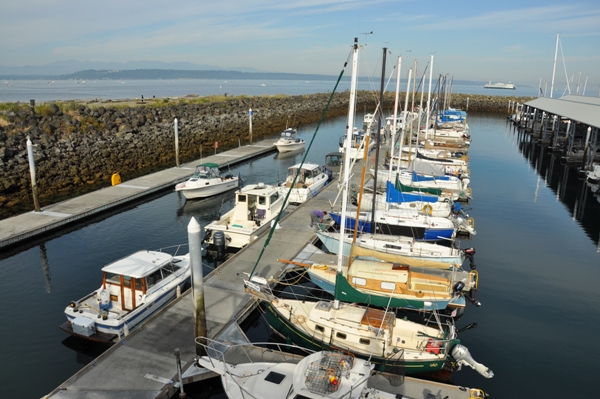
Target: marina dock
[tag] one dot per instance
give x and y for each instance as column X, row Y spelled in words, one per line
column 143, row 364
column 17, row 229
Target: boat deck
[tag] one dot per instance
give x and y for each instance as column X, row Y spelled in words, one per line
column 20, row 228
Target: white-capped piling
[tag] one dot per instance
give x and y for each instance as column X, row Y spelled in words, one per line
column 176, row 142
column 250, row 122
column 194, row 241
column 36, row 202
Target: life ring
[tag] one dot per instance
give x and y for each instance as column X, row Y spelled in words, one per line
column 299, row 319
column 471, row 222
column 428, row 209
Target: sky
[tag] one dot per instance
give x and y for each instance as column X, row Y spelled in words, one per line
column 472, row 40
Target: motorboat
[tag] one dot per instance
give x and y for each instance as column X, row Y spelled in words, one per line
column 207, row 181
column 289, row 141
column 303, row 181
column 287, row 371
column 133, row 288
column 256, row 205
column 499, row 85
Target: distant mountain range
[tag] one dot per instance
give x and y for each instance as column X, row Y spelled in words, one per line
column 59, row 68
column 92, row 70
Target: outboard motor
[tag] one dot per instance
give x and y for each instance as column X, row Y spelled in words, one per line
column 458, row 287
column 219, row 243
column 462, row 356
column 466, row 226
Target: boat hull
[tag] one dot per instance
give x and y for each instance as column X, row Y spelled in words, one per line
column 285, row 329
column 209, row 190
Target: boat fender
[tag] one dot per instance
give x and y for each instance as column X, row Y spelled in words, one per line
column 433, row 346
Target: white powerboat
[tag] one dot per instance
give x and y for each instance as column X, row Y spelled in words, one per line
column 288, row 141
column 310, row 180
column 256, row 205
column 208, row 181
column 133, row 288
column 251, row 371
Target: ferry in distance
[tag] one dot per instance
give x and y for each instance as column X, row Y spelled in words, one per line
column 499, row 85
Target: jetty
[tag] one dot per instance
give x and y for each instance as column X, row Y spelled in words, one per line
column 143, row 364
column 24, row 227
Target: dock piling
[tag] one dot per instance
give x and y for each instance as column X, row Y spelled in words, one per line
column 36, row 202
column 194, row 240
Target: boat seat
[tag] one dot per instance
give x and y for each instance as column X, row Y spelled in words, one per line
column 260, row 214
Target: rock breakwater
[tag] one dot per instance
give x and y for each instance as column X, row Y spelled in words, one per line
column 77, row 147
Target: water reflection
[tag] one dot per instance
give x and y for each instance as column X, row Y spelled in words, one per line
column 580, row 197
column 45, row 266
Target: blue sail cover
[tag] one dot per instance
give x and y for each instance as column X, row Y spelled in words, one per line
column 418, row 177
column 396, row 196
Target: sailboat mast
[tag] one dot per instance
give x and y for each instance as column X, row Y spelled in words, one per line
column 401, row 141
column 378, row 141
column 429, row 100
column 554, row 68
column 394, row 127
column 348, row 142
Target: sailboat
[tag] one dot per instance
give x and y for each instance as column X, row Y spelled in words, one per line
column 367, row 332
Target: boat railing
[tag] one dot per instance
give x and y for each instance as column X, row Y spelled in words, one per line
column 174, row 250
column 232, row 353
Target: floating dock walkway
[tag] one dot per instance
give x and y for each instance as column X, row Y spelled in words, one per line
column 18, row 229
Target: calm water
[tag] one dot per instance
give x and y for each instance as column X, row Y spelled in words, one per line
column 22, row 90
column 537, row 255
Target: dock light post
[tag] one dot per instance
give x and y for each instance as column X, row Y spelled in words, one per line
column 176, row 142
column 36, row 202
column 250, row 120
column 182, row 393
column 200, row 330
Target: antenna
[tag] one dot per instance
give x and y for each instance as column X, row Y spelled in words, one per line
column 366, row 33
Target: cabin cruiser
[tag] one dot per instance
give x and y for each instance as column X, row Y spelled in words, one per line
column 133, row 288
column 256, row 205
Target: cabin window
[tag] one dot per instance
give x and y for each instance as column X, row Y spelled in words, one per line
column 153, row 278
column 167, row 270
column 274, row 197
column 386, row 285
column 241, row 198
column 274, row 377
column 359, row 281
column 364, row 341
column 126, row 281
column 138, row 284
column 392, row 246
column 319, row 328
column 262, row 200
column 112, row 278
column 340, row 335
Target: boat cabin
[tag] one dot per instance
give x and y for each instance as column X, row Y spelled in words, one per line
column 333, row 161
column 289, row 134
column 126, row 282
column 306, row 177
column 257, row 203
column 206, row 171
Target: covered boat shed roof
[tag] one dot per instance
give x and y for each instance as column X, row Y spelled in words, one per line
column 581, row 109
